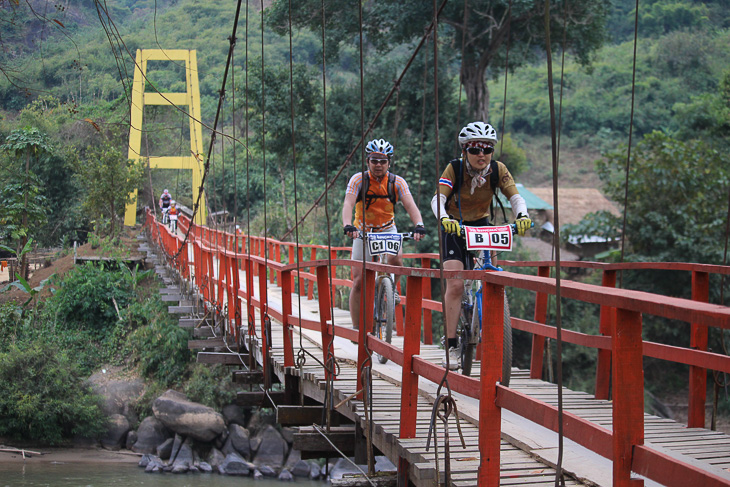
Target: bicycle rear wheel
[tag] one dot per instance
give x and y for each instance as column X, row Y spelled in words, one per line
column 384, row 314
column 506, row 340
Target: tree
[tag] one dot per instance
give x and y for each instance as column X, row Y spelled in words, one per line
column 22, row 146
column 486, row 27
column 108, row 179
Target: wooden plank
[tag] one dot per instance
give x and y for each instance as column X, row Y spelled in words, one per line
column 179, row 310
column 310, row 440
column 299, row 415
column 207, row 343
column 173, row 298
column 203, row 332
column 248, row 377
column 222, row 358
column 260, row 399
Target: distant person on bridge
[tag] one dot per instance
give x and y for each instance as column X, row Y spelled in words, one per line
column 464, row 197
column 382, row 190
column 165, row 200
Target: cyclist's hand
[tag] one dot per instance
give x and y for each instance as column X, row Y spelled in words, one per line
column 418, row 232
column 451, row 226
column 523, row 223
column 351, row 231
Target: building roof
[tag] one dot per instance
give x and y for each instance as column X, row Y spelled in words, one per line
column 575, row 203
column 532, row 201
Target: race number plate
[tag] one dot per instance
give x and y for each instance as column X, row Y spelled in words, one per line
column 384, row 243
column 489, row 238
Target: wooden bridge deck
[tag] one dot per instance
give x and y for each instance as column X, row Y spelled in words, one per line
column 528, row 450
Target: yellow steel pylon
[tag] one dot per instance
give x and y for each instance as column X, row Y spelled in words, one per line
column 191, row 98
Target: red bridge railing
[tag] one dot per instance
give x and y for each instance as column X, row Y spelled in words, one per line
column 218, row 257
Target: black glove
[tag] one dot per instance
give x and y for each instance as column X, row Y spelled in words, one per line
column 419, row 230
column 349, row 229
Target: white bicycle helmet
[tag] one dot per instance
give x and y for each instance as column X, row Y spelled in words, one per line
column 172, row 202
column 477, row 131
column 379, row 145
column 164, row 192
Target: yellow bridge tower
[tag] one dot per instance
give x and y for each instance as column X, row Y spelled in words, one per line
column 191, row 98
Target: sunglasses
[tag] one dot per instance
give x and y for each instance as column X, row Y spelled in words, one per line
column 378, row 161
column 478, row 150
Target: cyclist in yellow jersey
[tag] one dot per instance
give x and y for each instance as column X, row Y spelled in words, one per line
column 464, row 199
column 375, row 212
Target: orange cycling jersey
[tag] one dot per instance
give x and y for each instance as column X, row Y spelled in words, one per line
column 379, row 210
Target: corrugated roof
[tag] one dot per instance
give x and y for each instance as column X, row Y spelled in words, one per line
column 532, row 201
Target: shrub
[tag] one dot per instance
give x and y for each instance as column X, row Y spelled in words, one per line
column 161, row 351
column 211, row 386
column 43, row 397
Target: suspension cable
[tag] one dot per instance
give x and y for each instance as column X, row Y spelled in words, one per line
column 631, row 133
column 559, row 479
column 506, row 75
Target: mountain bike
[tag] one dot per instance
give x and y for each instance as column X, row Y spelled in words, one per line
column 381, row 245
column 165, row 219
column 173, row 223
column 469, row 329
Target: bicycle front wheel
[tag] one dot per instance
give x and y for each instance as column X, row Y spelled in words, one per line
column 384, row 314
column 506, row 340
column 467, row 344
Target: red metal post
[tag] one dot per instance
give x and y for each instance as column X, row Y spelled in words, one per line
column 409, row 380
column 607, row 320
column 251, row 310
column 263, row 309
column 323, row 288
column 698, row 341
column 333, row 275
column 490, row 417
column 310, row 290
column 628, row 395
column 277, row 254
column 286, row 311
column 235, row 287
column 427, row 317
column 367, row 299
column 538, row 341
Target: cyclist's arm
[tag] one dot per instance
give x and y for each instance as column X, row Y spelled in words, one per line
column 438, row 204
column 518, row 205
column 347, row 207
column 410, row 205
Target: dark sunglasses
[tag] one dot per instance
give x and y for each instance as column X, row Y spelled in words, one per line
column 478, row 150
column 378, row 161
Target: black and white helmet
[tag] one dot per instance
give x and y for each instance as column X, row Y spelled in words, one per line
column 479, row 131
column 379, row 145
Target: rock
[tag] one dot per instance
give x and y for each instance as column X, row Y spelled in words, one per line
column 285, row 476
column 288, row 434
column 165, row 449
column 272, row 450
column 302, row 469
column 131, row 439
column 267, row 471
column 215, row 458
column 233, row 414
column 315, row 471
column 221, row 440
column 205, row 467
column 116, row 434
column 188, row 418
column 260, row 419
column 154, row 465
column 144, row 460
column 239, row 438
column 234, row 465
column 119, row 395
column 175, row 448
column 257, row 475
column 184, row 459
column 151, row 432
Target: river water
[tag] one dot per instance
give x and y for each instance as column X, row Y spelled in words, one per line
column 127, row 475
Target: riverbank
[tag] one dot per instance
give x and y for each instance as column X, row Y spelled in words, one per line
column 67, row 455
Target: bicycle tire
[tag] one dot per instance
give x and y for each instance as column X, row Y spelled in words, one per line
column 506, row 340
column 384, row 314
column 468, row 345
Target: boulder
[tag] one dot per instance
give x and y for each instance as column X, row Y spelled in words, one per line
column 297, row 466
column 188, row 418
column 215, row 458
column 205, row 467
column 164, row 449
column 116, row 434
column 315, row 471
column 119, row 395
column 288, row 434
column 145, row 460
column 266, row 471
column 257, row 475
column 155, row 465
column 176, row 444
column 239, row 439
column 234, row 465
column 233, row 414
column 184, row 460
column 131, row 439
column 272, row 450
column 302, row 469
column 221, row 439
column 151, row 432
column 260, row 419
column 285, row 476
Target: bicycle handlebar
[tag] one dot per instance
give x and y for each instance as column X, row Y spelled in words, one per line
column 405, row 235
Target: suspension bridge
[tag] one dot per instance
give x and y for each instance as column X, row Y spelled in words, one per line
column 256, row 306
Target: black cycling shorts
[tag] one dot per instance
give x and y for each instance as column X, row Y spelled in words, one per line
column 454, row 247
